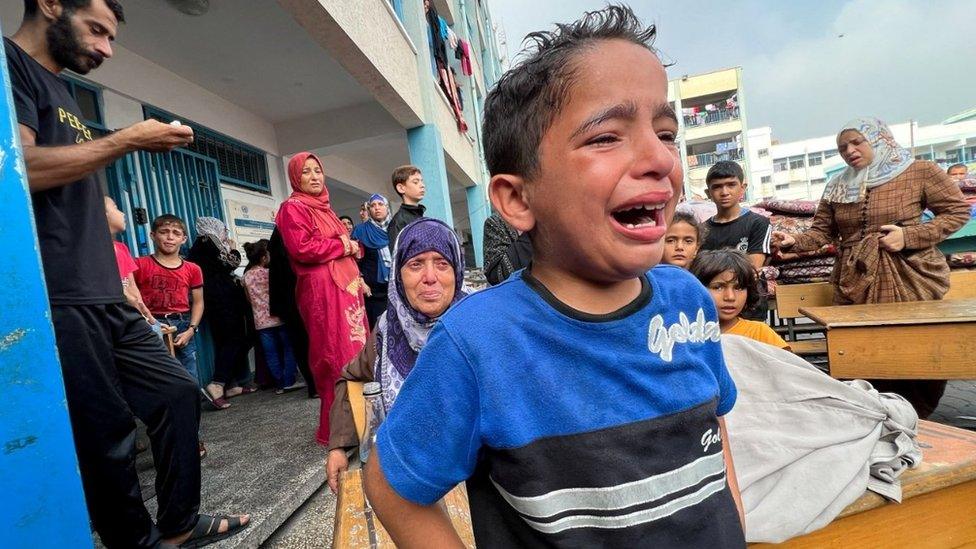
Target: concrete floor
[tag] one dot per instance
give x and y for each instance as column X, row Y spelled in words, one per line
column 263, row 460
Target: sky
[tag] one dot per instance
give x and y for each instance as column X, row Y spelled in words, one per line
column 808, row 66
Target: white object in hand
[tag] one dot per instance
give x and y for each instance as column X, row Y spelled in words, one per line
column 175, row 123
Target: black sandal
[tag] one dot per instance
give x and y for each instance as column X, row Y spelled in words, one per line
column 207, row 529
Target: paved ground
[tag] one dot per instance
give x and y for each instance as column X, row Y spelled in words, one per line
column 262, row 460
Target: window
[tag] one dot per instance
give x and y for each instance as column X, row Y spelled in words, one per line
column 766, row 179
column 763, row 153
column 240, row 165
column 970, row 154
column 779, row 165
column 89, row 98
column 830, row 153
column 923, row 156
column 815, row 159
column 796, row 162
column 954, row 156
column 818, row 181
column 782, row 186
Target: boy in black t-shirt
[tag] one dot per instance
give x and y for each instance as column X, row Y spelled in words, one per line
column 114, row 367
column 733, row 226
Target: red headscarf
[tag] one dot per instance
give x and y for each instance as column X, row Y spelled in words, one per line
column 344, row 270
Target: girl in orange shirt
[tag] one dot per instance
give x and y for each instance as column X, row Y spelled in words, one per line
column 732, row 281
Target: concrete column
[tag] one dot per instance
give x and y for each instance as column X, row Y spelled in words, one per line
column 43, row 504
column 478, row 212
column 427, row 153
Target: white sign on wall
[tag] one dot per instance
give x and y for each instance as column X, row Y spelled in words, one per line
column 250, row 221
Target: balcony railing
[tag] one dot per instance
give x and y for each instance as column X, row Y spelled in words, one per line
column 707, row 159
column 711, row 117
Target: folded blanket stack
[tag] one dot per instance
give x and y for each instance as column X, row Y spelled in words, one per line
column 795, row 216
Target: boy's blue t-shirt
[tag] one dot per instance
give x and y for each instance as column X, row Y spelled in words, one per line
column 570, row 428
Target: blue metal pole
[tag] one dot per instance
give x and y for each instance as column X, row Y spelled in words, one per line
column 43, row 504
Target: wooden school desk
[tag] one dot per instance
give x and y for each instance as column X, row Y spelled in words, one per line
column 911, row 340
column 938, row 507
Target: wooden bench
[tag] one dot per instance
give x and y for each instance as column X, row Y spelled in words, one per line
column 789, row 299
column 168, row 332
column 962, row 285
column 356, row 526
column 937, row 508
column 911, row 340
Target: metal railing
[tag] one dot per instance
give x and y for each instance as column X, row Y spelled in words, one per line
column 705, row 118
column 707, row 159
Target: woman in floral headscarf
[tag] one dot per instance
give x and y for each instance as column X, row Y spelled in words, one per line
column 329, row 289
column 886, row 254
column 225, row 310
column 426, row 278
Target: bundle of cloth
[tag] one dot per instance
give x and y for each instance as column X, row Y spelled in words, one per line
column 805, row 445
column 965, row 259
column 794, row 216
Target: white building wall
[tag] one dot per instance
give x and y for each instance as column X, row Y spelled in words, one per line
column 808, row 182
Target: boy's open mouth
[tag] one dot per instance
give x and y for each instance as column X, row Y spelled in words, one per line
column 640, row 216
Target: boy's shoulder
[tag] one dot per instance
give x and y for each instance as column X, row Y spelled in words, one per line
column 501, row 298
column 513, row 298
column 673, row 280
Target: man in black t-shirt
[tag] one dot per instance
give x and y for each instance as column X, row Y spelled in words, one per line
column 733, row 226
column 112, row 363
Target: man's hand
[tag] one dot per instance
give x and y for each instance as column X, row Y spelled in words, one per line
column 367, row 291
column 354, row 247
column 154, row 136
column 894, row 238
column 782, row 240
column 183, row 338
column 337, row 464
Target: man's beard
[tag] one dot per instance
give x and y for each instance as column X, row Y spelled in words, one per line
column 66, row 50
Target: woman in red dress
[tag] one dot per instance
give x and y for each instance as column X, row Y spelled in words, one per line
column 329, row 290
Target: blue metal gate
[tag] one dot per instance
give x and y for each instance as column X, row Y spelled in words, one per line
column 179, row 182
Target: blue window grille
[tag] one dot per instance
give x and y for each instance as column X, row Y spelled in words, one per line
column 239, row 164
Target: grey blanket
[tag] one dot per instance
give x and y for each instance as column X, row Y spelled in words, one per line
column 805, row 445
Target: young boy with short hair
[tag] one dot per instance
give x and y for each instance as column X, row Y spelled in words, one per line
column 123, row 257
column 408, row 182
column 734, row 226
column 581, row 399
column 168, row 282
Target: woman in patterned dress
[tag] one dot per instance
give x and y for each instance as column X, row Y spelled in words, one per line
column 873, row 211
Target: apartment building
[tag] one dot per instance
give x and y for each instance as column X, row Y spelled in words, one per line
column 260, row 80
column 800, row 169
column 712, row 118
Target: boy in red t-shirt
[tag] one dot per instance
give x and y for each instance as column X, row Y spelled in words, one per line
column 168, row 282
column 116, row 224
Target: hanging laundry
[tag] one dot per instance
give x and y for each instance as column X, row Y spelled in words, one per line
column 711, row 107
column 452, row 39
column 466, row 58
